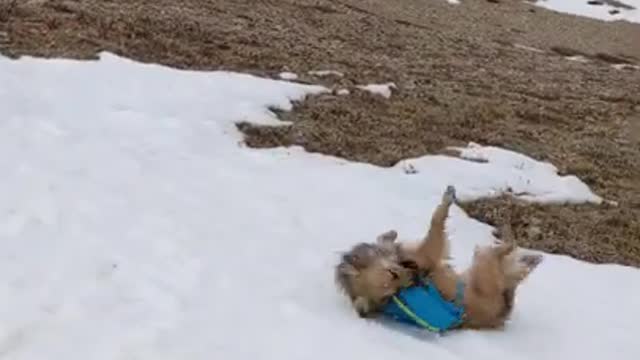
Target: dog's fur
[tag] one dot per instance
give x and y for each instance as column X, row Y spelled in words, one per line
column 371, row 273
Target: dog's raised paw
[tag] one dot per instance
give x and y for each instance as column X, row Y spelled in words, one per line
column 449, row 195
column 531, row 260
column 387, row 237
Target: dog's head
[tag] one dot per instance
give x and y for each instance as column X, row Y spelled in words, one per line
column 371, row 273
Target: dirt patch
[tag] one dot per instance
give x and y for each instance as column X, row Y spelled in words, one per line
column 459, row 78
column 600, row 234
column 607, row 58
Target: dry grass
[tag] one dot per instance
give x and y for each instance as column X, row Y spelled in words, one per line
column 605, row 234
column 459, row 76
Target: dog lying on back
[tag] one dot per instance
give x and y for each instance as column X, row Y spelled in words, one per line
column 371, row 273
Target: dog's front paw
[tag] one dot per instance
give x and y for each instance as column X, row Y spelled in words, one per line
column 449, row 196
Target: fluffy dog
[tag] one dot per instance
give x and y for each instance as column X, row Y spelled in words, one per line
column 371, row 273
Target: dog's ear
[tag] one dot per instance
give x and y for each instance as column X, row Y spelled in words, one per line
column 348, row 266
column 344, row 275
column 387, row 238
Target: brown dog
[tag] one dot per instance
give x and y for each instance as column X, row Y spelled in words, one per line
column 371, row 273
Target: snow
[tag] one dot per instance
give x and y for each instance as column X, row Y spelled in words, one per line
column 577, row 58
column 134, row 226
column 601, row 12
column 453, row 1
column 343, row 92
column 625, row 67
column 323, row 73
column 288, row 75
column 529, row 179
column 379, row 89
column 528, row 48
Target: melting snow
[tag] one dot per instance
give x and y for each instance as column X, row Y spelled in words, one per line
column 288, row 76
column 379, row 89
column 625, row 67
column 528, row 48
column 578, row 58
column 326, row 73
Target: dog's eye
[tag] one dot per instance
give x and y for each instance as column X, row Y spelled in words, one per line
column 394, row 274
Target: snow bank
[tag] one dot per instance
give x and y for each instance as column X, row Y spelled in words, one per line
column 288, row 75
column 523, row 176
column 133, row 226
column 628, row 10
column 323, row 73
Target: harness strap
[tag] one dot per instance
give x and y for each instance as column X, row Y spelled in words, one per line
column 459, row 292
column 458, row 301
column 413, row 316
column 460, row 285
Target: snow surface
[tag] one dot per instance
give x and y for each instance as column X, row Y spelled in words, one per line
column 288, row 75
column 601, row 12
column 625, row 67
column 528, row 48
column 323, row 73
column 577, row 58
column 134, row 226
column 379, row 89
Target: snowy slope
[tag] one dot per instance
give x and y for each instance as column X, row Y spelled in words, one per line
column 628, row 10
column 134, row 226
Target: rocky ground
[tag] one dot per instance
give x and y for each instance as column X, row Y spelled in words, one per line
column 492, row 72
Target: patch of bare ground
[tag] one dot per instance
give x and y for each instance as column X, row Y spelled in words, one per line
column 462, row 74
column 600, row 234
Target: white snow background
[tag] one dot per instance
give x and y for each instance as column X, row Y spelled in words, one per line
column 133, row 225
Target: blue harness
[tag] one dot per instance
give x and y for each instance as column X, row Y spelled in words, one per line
column 422, row 305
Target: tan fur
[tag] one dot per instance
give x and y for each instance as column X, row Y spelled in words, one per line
column 491, row 280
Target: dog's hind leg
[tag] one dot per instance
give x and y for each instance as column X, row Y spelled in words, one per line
column 516, row 266
column 519, row 268
column 434, row 247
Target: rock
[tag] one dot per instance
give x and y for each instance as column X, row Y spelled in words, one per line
column 534, row 232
